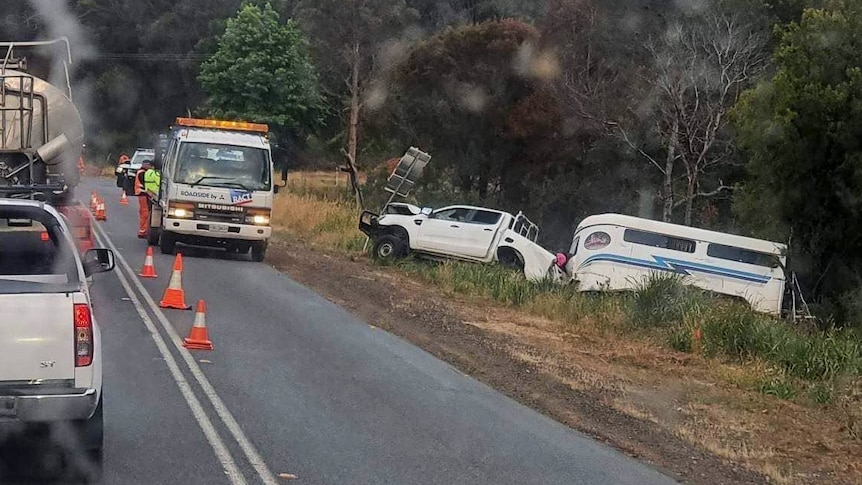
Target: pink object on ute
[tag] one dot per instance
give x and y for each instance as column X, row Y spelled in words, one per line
column 561, row 260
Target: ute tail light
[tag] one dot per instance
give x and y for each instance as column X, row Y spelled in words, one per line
column 83, row 335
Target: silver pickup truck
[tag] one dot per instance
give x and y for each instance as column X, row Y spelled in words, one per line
column 50, row 343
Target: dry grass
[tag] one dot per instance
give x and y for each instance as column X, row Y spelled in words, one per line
column 302, row 181
column 331, row 223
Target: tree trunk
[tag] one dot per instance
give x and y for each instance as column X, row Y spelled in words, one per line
column 353, row 124
column 689, row 198
column 667, row 185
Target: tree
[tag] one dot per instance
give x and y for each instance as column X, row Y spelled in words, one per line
column 699, row 68
column 802, row 132
column 349, row 37
column 455, row 95
column 262, row 72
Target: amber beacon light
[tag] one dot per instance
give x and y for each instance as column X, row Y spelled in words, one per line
column 223, row 125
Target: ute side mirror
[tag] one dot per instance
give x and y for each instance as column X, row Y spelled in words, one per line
column 426, row 211
column 98, row 261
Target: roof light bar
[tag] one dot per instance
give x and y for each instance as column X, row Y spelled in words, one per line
column 223, row 125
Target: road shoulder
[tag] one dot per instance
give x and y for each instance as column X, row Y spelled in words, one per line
column 520, row 359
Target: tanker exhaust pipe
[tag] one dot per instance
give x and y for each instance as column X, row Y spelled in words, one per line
column 53, row 152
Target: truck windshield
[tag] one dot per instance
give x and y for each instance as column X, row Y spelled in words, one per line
column 35, row 257
column 223, row 166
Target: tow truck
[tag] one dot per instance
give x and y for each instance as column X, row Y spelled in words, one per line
column 216, row 189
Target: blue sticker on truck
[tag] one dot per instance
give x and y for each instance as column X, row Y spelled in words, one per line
column 240, row 197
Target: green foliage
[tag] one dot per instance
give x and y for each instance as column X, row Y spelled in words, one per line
column 456, row 93
column 662, row 300
column 801, row 130
column 778, row 386
column 262, row 72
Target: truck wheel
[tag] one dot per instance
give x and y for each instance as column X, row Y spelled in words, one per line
column 120, row 179
column 153, row 236
column 388, row 248
column 167, row 242
column 258, row 251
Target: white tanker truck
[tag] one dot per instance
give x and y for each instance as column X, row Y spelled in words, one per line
column 41, row 138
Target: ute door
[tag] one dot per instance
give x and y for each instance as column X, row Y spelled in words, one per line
column 443, row 231
column 479, row 232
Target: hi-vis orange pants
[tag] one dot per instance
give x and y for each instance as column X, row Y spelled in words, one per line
column 144, row 215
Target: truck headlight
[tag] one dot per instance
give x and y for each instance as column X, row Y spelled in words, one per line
column 258, row 217
column 181, row 211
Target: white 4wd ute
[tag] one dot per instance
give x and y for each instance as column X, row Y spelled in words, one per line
column 460, row 232
column 51, row 375
column 126, row 172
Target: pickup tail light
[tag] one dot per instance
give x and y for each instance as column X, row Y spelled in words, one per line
column 83, row 335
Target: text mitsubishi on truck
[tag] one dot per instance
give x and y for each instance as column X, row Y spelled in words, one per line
column 216, row 189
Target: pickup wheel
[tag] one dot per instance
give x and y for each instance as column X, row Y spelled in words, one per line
column 167, row 242
column 389, row 248
column 91, row 441
column 510, row 258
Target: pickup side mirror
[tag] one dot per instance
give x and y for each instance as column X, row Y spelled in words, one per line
column 98, row 261
column 426, row 211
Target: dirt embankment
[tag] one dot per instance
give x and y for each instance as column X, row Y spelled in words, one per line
column 675, row 411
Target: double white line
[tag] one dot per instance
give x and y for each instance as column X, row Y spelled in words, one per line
column 126, row 274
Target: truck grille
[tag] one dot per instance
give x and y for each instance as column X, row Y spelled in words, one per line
column 212, row 215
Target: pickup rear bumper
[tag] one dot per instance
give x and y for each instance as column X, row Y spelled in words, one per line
column 72, row 404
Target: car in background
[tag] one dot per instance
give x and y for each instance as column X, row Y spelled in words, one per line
column 125, row 172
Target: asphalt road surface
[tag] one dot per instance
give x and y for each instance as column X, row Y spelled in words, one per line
column 298, row 386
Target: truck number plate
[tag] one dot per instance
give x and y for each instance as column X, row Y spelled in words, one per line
column 218, row 228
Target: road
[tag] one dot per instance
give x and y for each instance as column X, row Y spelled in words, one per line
column 296, row 385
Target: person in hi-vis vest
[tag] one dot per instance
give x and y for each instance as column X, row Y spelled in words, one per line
column 143, row 199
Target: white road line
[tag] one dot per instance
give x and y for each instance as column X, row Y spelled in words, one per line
column 227, row 418
column 221, row 451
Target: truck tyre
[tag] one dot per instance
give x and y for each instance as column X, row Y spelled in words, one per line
column 389, row 248
column 167, row 242
column 258, row 251
column 153, row 236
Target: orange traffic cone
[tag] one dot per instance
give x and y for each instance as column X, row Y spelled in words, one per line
column 149, row 270
column 174, row 295
column 100, row 211
column 123, row 199
column 198, row 338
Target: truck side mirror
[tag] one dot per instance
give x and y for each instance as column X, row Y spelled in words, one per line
column 426, row 211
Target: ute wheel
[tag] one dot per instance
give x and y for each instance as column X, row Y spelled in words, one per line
column 91, row 439
column 389, row 248
column 511, row 259
column 167, row 242
column 258, row 251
